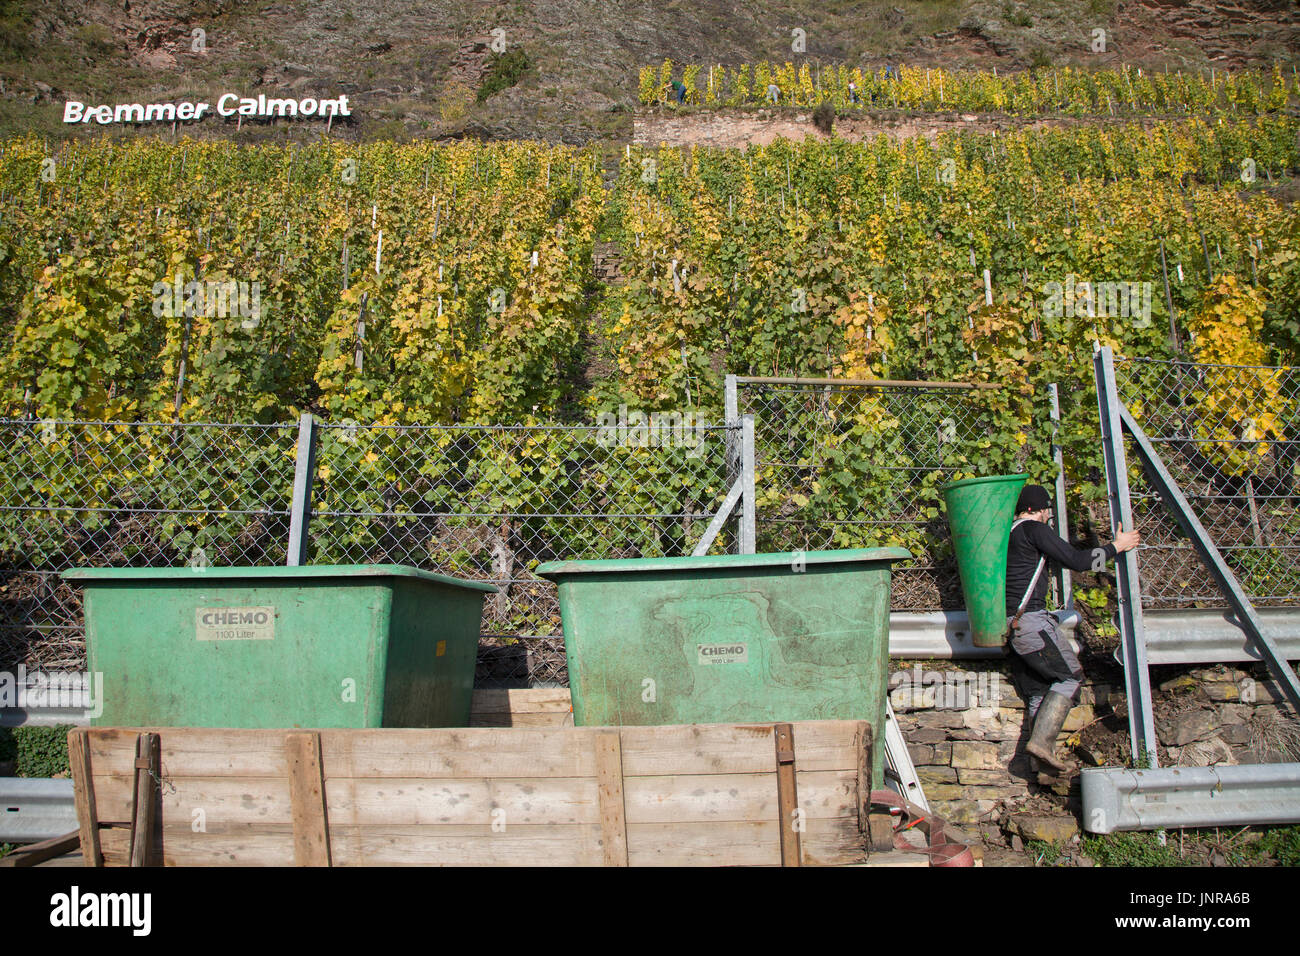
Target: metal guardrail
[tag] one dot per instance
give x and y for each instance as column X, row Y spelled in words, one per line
column 43, row 716
column 945, row 635
column 1120, row 799
column 1213, row 636
column 34, row 809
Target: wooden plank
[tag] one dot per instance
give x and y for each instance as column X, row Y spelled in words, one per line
column 191, row 751
column 462, row 800
column 827, row 794
column 311, row 840
column 862, row 743
column 34, row 853
column 703, row 798
column 259, row 846
column 792, row 824
column 423, row 845
column 486, row 751
column 83, row 783
column 466, row 800
column 729, row 748
column 736, row 843
column 144, row 809
column 517, row 700
column 609, row 787
column 115, row 845
column 235, row 799
column 522, row 752
column 831, row 841
column 541, row 719
column 471, row 752
column 458, row 845
column 733, row 843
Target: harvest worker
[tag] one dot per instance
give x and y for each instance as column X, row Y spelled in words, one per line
column 1051, row 672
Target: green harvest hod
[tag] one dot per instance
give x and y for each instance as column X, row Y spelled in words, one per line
column 980, row 515
column 729, row 639
column 316, row 646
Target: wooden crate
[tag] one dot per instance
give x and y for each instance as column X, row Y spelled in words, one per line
column 578, row 796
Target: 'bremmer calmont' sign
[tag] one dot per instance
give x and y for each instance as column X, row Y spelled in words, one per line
column 228, row 105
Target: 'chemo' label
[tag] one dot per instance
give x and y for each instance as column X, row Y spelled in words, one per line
column 234, row 623
column 722, row 653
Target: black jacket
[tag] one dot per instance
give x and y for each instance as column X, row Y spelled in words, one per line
column 1031, row 540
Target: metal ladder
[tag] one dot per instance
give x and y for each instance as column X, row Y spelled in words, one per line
column 900, row 774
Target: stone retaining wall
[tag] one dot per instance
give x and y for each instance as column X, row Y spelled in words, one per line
column 965, row 729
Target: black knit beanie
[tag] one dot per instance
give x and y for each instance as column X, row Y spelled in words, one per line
column 1033, row 498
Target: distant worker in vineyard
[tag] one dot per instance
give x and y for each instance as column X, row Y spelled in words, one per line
column 1051, row 674
column 679, row 91
column 853, row 93
column 773, row 93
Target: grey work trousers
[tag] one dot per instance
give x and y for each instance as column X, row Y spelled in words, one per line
column 1048, row 664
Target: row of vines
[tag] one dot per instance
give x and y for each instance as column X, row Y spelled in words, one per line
column 414, row 283
column 1065, row 90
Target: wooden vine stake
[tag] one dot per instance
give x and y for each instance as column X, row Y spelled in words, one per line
column 144, row 810
column 84, row 795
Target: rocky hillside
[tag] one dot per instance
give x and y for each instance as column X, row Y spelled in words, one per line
column 563, row 70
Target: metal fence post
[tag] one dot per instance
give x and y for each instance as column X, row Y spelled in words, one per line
column 748, row 504
column 304, row 476
column 1064, row 584
column 731, row 447
column 1137, row 678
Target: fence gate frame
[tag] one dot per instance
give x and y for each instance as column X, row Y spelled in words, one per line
column 1137, row 676
column 1116, row 419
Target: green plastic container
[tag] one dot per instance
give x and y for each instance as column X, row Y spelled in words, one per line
column 316, row 646
column 730, row 639
column 980, row 515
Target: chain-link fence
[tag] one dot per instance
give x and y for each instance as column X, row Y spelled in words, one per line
column 485, row 503
column 76, row 493
column 846, row 465
column 1230, row 437
column 836, row 465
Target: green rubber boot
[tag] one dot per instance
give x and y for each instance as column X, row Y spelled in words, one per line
column 1047, row 725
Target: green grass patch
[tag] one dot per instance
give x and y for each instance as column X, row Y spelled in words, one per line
column 504, row 71
column 35, row 751
column 1132, row 849
column 1243, row 847
column 1044, row 853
